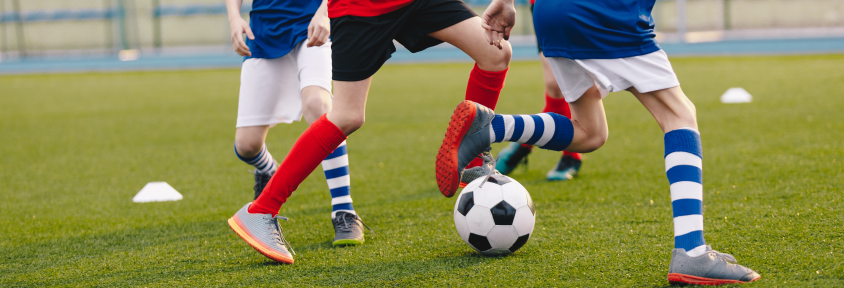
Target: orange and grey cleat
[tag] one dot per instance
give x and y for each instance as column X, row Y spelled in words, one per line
column 468, row 135
column 711, row 268
column 262, row 232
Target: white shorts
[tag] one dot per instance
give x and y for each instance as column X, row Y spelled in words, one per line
column 646, row 73
column 271, row 89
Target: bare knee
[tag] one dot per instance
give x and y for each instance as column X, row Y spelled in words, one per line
column 316, row 105
column 316, row 101
column 498, row 60
column 348, row 123
column 592, row 143
column 248, row 146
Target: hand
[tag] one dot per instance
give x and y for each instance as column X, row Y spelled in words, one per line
column 238, row 27
column 498, row 19
column 319, row 29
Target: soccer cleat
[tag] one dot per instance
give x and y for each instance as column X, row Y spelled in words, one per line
column 262, row 232
column 488, row 168
column 468, row 135
column 566, row 169
column 348, row 229
column 711, row 268
column 261, row 180
column 510, row 157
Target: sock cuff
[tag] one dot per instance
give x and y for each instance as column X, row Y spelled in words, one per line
column 574, row 155
column 563, row 134
column 498, row 127
column 683, row 140
column 558, row 106
column 327, row 134
column 260, row 153
column 491, row 79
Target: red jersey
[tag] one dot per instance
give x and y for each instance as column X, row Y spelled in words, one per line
column 532, row 2
column 364, row 8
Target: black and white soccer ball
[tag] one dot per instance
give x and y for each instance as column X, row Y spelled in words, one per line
column 495, row 218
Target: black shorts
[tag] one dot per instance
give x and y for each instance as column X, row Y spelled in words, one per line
column 361, row 45
column 537, row 39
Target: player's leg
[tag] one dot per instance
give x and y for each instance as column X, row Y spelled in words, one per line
column 569, row 164
column 360, row 45
column 474, row 127
column 515, row 153
column 487, row 77
column 315, row 76
column 491, row 64
column 269, row 95
column 262, row 103
column 315, row 144
column 692, row 261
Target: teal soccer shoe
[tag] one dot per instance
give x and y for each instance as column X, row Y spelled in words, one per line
column 511, row 157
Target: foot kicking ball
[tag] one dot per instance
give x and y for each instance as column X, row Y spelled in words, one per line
column 494, row 215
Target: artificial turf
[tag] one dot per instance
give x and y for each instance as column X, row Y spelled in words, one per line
column 76, row 148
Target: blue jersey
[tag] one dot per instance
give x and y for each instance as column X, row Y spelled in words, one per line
column 279, row 25
column 595, row 29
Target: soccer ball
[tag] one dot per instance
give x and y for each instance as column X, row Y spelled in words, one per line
column 495, row 218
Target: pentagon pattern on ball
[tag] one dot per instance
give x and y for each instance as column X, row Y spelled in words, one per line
column 503, row 213
column 479, row 242
column 465, row 203
column 519, row 242
column 494, row 215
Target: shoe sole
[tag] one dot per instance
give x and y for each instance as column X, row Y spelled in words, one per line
column 237, row 225
column 677, row 278
column 347, row 242
column 448, row 178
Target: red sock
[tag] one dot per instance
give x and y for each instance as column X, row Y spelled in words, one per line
column 310, row 149
column 484, row 88
column 560, row 106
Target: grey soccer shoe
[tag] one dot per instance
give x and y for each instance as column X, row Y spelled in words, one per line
column 262, row 232
column 511, row 157
column 488, row 168
column 467, row 136
column 261, row 180
column 711, row 268
column 348, row 229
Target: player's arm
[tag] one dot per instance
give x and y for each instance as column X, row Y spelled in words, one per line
column 238, row 27
column 320, row 27
column 498, row 20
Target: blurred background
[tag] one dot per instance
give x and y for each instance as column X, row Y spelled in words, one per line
column 91, row 35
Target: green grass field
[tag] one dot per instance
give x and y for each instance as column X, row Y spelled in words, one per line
column 76, row 148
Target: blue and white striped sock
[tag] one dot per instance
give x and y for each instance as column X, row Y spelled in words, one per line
column 263, row 162
column 336, row 167
column 684, row 168
column 550, row 131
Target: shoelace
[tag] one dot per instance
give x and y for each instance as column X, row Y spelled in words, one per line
column 279, row 232
column 487, row 156
column 723, row 256
column 353, row 216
